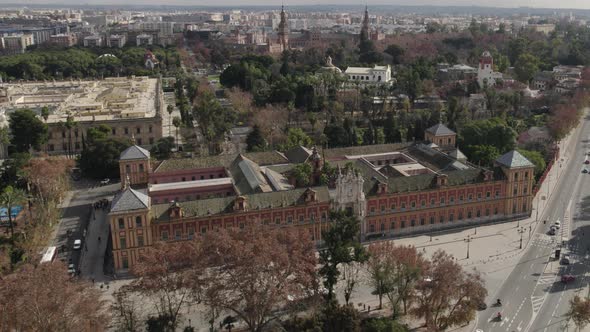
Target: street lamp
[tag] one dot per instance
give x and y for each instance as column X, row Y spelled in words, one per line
column 520, row 231
column 468, row 240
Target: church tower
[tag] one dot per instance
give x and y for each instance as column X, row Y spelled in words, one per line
column 365, row 26
column 283, row 30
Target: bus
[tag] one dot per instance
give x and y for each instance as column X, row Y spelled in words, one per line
column 49, row 255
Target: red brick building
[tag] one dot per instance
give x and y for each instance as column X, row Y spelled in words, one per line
column 393, row 189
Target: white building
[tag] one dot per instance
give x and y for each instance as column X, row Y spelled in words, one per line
column 367, row 75
column 486, row 76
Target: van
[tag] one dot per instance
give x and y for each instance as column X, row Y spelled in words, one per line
column 557, row 224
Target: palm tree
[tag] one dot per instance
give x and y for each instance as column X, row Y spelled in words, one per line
column 170, row 109
column 9, row 198
column 176, row 122
column 70, row 123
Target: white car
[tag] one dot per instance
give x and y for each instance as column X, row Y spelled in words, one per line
column 71, row 269
column 77, row 244
column 104, row 182
column 557, row 224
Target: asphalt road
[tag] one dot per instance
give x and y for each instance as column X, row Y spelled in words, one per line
column 76, row 216
column 533, row 297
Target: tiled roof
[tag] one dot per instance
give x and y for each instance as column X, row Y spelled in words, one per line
column 514, row 159
column 457, row 154
column 440, row 129
column 427, row 181
column 261, row 158
column 247, row 176
column 129, row 200
column 259, row 201
column 298, row 154
column 134, row 152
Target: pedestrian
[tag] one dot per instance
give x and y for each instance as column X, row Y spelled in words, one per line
column 364, row 307
column 99, row 239
column 369, row 309
column 93, row 281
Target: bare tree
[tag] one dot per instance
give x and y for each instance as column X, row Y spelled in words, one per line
column 579, row 312
column 125, row 311
column 377, row 268
column 45, row 298
column 351, row 278
column 447, row 296
column 256, row 271
column 163, row 276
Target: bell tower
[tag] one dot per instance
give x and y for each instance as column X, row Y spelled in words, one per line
column 283, row 30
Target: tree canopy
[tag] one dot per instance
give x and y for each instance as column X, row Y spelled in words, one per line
column 27, row 130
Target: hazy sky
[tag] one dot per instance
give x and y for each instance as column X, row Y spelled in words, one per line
column 582, row 4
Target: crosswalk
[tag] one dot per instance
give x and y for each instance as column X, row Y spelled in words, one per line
column 537, row 302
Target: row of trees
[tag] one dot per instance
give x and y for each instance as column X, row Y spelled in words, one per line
column 260, row 276
column 56, row 63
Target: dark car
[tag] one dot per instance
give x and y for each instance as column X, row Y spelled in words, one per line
column 482, row 306
column 565, row 260
column 552, row 231
column 567, row 278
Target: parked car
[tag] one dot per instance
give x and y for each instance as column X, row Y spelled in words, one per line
column 587, row 161
column 585, row 170
column 565, row 259
column 567, row 278
column 71, row 269
column 551, row 231
column 557, row 224
column 77, row 244
column 104, row 182
column 482, row 306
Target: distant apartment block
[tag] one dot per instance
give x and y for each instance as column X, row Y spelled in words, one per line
column 144, row 40
column 93, row 41
column 64, row 39
column 16, row 44
column 116, row 41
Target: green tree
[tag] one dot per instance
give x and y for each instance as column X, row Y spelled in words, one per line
column 163, row 148
column 483, row 155
column 255, row 141
column 537, row 159
column 100, row 158
column 476, row 136
column 396, row 53
column 214, row 120
column 526, row 66
column 341, row 246
column 410, row 83
column 10, row 198
column 27, row 130
column 297, row 137
column 302, row 174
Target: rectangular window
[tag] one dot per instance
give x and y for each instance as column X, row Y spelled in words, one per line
column 138, row 221
column 121, row 223
column 140, row 240
column 372, row 210
column 126, row 130
column 442, row 219
column 164, row 235
column 123, row 243
column 515, row 191
column 412, row 222
column 488, row 194
column 422, row 203
column 478, row 195
column 177, row 234
column 191, row 232
column 403, row 224
column 432, row 220
column 382, row 208
column 138, row 130
column 301, row 219
column 150, row 129
column 470, row 197
column 392, row 207
column 289, row 219
column 461, row 198
column 497, row 193
column 413, row 204
column 113, row 131
column 204, row 229
column 432, row 202
column 422, row 221
column 324, row 216
column 125, row 263
column 451, row 217
column 442, row 200
column 403, row 205
column 452, row 199
column 277, row 220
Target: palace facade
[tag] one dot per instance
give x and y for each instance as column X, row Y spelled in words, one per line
column 393, row 189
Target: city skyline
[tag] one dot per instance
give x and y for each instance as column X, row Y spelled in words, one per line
column 566, row 4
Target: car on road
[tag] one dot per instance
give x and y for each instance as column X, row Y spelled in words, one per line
column 104, row 182
column 482, row 306
column 77, row 244
column 557, row 224
column 567, row 278
column 585, row 170
column 565, row 259
column 551, row 231
column 587, row 161
column 71, row 269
